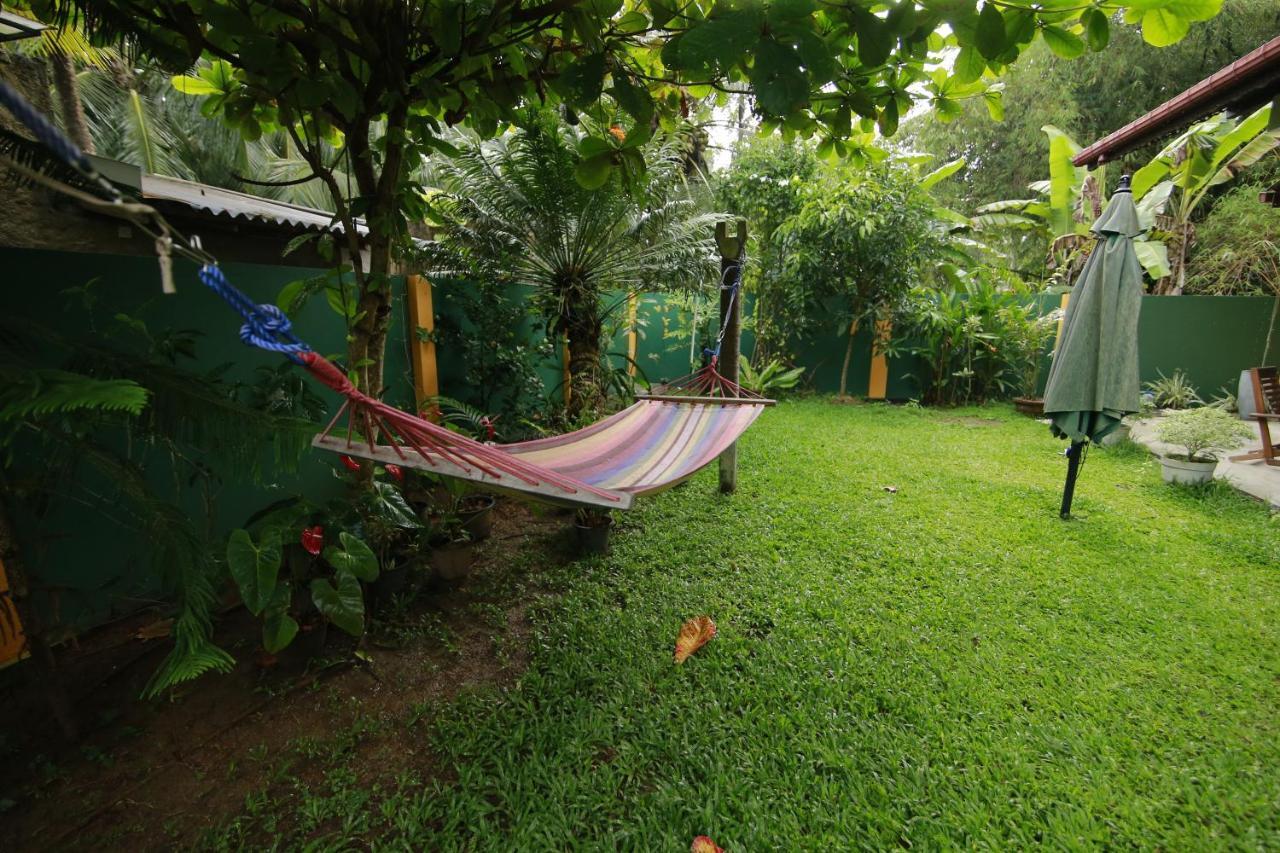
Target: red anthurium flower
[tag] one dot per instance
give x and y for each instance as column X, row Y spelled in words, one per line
column 394, row 471
column 352, row 465
column 313, row 539
column 489, row 430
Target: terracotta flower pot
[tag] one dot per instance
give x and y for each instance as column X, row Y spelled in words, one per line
column 1029, row 406
column 452, row 561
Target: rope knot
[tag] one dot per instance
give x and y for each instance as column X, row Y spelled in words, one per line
column 264, row 325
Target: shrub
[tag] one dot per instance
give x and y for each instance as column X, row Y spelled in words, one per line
column 1173, row 392
column 1202, row 432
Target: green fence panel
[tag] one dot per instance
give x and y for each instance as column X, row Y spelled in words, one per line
column 96, row 564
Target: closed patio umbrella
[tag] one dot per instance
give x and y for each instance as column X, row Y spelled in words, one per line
column 1093, row 381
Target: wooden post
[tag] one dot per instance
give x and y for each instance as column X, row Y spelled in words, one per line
column 732, row 249
column 632, row 335
column 426, row 378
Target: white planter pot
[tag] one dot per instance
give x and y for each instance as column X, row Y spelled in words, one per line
column 1186, row 473
column 1244, row 396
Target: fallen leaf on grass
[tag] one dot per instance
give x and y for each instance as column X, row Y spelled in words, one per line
column 703, row 844
column 694, row 634
column 893, row 490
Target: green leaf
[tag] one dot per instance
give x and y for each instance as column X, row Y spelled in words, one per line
column 941, row 173
column 353, row 556
column 989, row 37
column 1163, row 27
column 1154, row 257
column 888, row 119
column 780, row 86
column 722, row 40
column 1097, row 29
column 581, row 83
column 632, row 98
column 342, row 605
column 278, row 631
column 994, row 99
column 875, row 41
column 969, row 65
column 789, row 11
column 1063, row 43
column 254, row 568
column 193, row 85
column 593, row 172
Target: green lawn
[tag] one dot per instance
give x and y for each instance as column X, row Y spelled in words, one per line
column 950, row 665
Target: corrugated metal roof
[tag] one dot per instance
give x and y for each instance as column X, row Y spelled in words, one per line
column 1250, row 81
column 236, row 205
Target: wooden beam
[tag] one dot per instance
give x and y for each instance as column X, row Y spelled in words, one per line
column 709, row 401
column 426, row 376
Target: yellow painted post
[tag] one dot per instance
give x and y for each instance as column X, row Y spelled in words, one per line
column 878, row 381
column 13, row 643
column 632, row 335
column 426, row 376
column 568, row 377
column 1066, row 297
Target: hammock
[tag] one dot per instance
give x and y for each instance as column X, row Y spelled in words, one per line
column 660, row 441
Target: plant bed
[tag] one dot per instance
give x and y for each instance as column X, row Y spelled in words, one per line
column 1201, row 434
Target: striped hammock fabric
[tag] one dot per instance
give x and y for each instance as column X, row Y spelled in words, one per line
column 648, row 447
column 658, row 442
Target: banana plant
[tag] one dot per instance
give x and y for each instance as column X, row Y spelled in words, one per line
column 1177, row 180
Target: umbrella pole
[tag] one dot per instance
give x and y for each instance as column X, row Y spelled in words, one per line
column 1073, row 471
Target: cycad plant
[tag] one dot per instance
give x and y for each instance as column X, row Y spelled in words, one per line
column 512, row 211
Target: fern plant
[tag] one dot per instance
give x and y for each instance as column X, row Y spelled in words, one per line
column 120, row 404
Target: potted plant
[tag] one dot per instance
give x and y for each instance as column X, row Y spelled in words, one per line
column 1025, row 346
column 1201, row 433
column 452, row 550
column 476, row 511
column 592, row 526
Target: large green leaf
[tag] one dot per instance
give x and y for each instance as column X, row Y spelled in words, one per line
column 342, row 605
column 780, row 84
column 941, row 173
column 1064, row 43
column 1097, row 28
column 1154, row 257
column 1064, row 180
column 989, row 37
column 254, row 567
column 1163, row 27
column 722, row 39
column 353, row 556
column 581, row 83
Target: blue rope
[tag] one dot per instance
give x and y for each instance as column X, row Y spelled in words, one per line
column 265, row 326
column 52, row 138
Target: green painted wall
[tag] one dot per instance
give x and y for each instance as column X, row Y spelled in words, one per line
column 1210, row 338
column 97, row 565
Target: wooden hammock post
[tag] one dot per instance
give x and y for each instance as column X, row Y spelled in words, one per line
column 732, row 251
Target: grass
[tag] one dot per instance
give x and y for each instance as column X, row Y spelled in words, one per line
column 947, row 665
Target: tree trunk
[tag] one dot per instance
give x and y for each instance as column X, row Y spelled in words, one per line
column 72, row 110
column 848, row 357
column 42, row 657
column 583, row 329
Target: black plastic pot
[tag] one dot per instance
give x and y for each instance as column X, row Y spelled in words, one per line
column 391, row 582
column 477, row 520
column 452, row 561
column 307, row 645
column 593, row 538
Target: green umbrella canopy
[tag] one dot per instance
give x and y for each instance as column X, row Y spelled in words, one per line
column 1093, row 381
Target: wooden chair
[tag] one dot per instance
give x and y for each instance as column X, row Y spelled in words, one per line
column 1266, row 411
